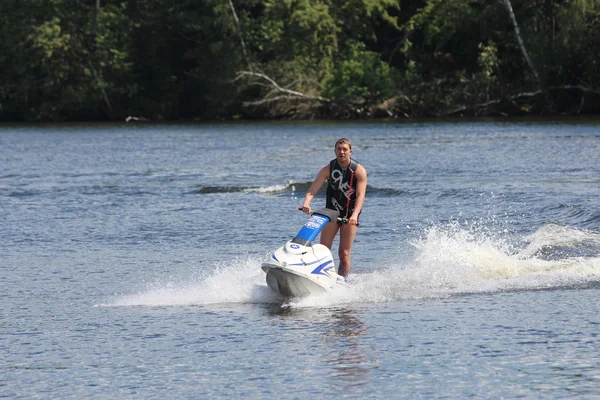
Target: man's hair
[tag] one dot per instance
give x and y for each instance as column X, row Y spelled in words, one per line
column 343, row 141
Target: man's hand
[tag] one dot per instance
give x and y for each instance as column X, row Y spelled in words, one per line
column 305, row 209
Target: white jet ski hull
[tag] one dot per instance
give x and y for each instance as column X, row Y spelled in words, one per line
column 289, row 282
column 300, row 268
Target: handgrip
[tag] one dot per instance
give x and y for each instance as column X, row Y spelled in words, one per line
column 340, row 220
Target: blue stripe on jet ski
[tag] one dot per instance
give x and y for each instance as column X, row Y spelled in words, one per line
column 323, row 269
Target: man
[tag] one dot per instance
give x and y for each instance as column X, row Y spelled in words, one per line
column 346, row 190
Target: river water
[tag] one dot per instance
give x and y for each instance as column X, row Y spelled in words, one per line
column 130, row 262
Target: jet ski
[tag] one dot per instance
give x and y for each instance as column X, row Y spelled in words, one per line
column 300, row 268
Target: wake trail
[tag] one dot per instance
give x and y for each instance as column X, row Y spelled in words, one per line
column 448, row 260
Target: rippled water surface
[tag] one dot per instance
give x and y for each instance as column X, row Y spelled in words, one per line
column 130, row 262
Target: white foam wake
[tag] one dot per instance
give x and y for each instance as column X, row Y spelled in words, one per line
column 553, row 235
column 447, row 261
column 235, row 282
column 455, row 260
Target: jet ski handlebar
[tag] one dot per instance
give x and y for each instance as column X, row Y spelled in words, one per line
column 331, row 214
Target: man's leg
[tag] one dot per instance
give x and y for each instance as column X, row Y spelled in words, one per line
column 347, row 234
column 328, row 234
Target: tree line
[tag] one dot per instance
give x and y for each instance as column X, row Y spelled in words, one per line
column 64, row 60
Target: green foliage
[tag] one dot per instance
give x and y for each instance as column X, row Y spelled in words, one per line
column 302, row 44
column 571, row 55
column 440, row 20
column 360, row 78
column 49, row 39
column 169, row 59
column 295, row 40
column 488, row 62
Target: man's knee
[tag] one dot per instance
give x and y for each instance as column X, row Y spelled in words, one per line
column 344, row 254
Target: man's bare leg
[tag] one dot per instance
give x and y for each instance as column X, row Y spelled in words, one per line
column 328, row 234
column 347, row 234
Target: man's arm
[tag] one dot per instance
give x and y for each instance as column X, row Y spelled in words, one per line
column 361, row 191
column 314, row 188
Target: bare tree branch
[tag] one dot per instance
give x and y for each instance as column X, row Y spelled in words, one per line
column 237, row 22
column 278, row 88
column 515, row 24
column 104, row 95
column 406, row 36
column 271, row 100
column 584, row 89
column 523, row 95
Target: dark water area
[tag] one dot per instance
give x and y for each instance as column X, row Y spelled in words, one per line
column 130, row 261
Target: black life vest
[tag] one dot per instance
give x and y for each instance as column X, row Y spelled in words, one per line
column 341, row 188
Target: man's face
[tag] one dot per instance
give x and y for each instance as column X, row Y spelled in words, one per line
column 343, row 151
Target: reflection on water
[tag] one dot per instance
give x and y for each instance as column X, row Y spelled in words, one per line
column 351, row 364
column 342, row 334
